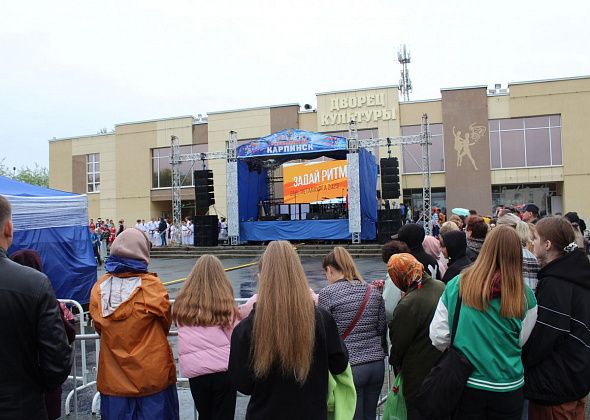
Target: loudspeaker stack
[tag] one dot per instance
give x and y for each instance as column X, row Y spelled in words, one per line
column 388, row 223
column 389, row 178
column 204, row 194
column 206, row 230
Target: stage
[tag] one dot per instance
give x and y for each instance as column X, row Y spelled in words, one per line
column 346, row 184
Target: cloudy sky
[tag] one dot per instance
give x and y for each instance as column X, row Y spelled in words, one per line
column 70, row 68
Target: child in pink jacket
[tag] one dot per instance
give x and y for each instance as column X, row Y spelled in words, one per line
column 205, row 314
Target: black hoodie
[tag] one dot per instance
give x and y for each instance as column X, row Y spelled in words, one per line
column 557, row 355
column 413, row 235
column 456, row 245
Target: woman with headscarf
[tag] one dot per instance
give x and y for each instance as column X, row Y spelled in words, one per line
column 30, row 258
column 131, row 312
column 454, row 247
column 412, row 353
column 432, row 247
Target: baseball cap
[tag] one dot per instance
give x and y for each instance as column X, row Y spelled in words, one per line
column 532, row 208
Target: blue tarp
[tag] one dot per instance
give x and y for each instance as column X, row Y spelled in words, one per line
column 336, row 229
column 15, row 188
column 368, row 184
column 54, row 223
column 252, row 190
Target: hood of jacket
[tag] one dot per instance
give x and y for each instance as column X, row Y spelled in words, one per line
column 456, row 244
column 573, row 267
column 413, row 235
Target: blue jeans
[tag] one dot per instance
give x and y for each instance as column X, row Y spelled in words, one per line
column 162, row 405
column 368, row 381
column 163, row 237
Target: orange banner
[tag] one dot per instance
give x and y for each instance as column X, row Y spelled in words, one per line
column 315, row 181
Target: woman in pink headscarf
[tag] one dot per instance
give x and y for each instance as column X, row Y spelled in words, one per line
column 432, row 247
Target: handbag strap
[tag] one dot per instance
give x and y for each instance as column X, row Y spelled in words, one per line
column 456, row 317
column 358, row 313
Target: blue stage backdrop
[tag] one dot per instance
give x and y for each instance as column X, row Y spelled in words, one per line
column 368, row 183
column 54, row 223
column 289, row 145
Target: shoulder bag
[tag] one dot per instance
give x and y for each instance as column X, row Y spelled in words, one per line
column 442, row 389
column 358, row 313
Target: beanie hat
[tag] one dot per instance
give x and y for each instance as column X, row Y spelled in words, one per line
column 132, row 243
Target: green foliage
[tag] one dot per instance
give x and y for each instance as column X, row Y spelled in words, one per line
column 38, row 175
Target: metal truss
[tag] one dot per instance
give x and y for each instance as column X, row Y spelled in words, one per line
column 176, row 198
column 195, row 157
column 424, row 139
column 176, row 158
column 233, row 217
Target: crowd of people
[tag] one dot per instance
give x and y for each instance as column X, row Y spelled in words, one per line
column 510, row 293
column 160, row 232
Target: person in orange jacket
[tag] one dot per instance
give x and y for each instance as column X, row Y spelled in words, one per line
column 131, row 312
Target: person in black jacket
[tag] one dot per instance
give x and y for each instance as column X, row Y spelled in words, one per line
column 281, row 353
column 30, row 258
column 454, row 247
column 413, row 235
column 34, row 351
column 162, row 226
column 557, row 354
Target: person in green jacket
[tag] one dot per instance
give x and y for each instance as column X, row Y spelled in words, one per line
column 412, row 354
column 498, row 312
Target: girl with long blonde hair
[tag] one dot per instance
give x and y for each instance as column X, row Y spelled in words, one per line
column 206, row 314
column 281, row 353
column 359, row 312
column 496, row 316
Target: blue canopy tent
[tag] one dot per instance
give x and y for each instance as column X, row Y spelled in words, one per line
column 282, row 147
column 55, row 224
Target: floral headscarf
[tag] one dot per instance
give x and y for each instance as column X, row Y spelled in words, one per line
column 404, row 269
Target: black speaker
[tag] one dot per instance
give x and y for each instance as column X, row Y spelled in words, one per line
column 204, row 191
column 389, row 163
column 389, row 179
column 389, row 214
column 390, row 187
column 206, row 230
column 387, row 228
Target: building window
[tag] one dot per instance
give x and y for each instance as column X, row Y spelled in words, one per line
column 162, row 169
column 525, row 142
column 412, row 153
column 93, row 173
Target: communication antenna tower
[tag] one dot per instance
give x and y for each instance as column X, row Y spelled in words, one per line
column 405, row 84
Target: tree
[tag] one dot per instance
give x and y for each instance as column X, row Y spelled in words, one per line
column 39, row 175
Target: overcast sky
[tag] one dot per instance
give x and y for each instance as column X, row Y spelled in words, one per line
column 70, row 68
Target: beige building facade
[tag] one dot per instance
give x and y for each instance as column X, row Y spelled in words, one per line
column 525, row 143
